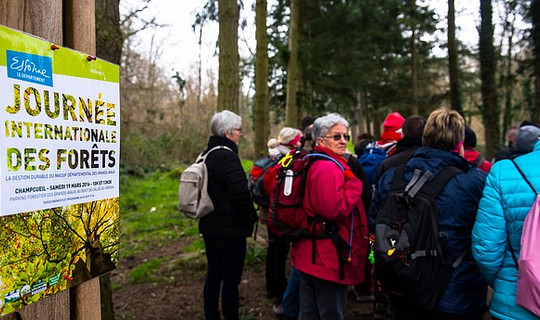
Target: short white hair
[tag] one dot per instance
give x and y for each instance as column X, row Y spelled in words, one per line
column 323, row 124
column 225, row 122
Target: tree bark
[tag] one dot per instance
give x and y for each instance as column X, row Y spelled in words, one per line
column 291, row 112
column 43, row 18
column 108, row 35
column 453, row 68
column 489, row 108
column 229, row 74
column 262, row 109
column 414, row 73
column 535, row 13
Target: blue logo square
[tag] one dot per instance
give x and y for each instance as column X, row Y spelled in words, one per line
column 30, row 67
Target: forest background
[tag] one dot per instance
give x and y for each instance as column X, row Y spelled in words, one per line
column 361, row 58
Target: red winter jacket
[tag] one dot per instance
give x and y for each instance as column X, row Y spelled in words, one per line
column 333, row 195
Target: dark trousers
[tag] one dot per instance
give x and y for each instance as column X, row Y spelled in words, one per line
column 321, row 299
column 223, row 275
column 276, row 262
column 402, row 310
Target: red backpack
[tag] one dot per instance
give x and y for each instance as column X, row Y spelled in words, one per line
column 286, row 214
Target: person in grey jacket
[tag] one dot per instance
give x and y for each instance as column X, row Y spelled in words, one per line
column 226, row 228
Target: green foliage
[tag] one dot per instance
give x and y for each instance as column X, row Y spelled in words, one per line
column 144, row 152
column 196, row 246
column 149, row 211
column 255, row 256
column 50, row 250
column 145, row 271
column 247, row 165
column 246, row 314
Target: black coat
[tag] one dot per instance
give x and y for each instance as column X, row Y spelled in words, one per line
column 234, row 214
column 404, row 150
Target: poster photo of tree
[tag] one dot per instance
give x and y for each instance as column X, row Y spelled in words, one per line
column 59, row 168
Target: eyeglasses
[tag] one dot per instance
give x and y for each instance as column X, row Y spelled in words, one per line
column 337, row 137
column 238, row 129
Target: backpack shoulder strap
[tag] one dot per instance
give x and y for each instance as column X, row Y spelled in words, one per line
column 507, row 233
column 412, row 187
column 523, row 175
column 437, row 184
column 324, row 156
column 202, row 157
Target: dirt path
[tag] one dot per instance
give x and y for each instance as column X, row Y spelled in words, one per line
column 176, row 289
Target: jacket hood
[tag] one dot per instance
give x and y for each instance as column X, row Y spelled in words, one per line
column 434, row 160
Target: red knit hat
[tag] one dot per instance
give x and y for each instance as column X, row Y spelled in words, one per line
column 393, row 122
column 392, row 127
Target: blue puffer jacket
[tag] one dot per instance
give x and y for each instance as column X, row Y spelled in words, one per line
column 457, row 204
column 506, row 201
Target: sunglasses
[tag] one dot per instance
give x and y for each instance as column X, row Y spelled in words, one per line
column 337, row 137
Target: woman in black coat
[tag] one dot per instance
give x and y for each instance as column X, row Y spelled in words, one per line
column 226, row 228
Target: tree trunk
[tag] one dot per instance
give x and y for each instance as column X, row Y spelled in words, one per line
column 45, row 19
column 414, row 75
column 262, row 109
column 229, row 74
column 453, row 68
column 535, row 13
column 507, row 76
column 489, row 108
column 291, row 112
column 108, row 34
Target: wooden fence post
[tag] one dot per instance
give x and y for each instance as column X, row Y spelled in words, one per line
column 43, row 18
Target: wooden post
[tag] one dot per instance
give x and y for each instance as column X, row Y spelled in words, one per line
column 43, row 18
column 80, row 34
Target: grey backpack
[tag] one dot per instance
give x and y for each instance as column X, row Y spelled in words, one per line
column 193, row 199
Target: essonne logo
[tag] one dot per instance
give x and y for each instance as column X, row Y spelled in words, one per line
column 29, row 67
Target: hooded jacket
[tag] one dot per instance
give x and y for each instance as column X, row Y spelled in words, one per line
column 505, row 203
column 457, row 204
column 335, row 196
column 234, row 214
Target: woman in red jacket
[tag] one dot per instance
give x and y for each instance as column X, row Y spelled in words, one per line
column 334, row 196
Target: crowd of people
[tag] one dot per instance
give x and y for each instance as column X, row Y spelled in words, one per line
column 480, row 209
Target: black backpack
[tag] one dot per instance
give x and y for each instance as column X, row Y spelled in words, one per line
column 409, row 261
column 255, row 180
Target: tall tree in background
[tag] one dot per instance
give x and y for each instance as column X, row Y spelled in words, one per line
column 108, row 34
column 414, row 74
column 489, row 107
column 229, row 73
column 207, row 14
column 291, row 109
column 453, row 68
column 535, row 13
column 507, row 76
column 262, row 109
